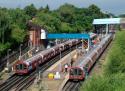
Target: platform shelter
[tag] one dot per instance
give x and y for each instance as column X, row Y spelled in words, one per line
column 109, row 21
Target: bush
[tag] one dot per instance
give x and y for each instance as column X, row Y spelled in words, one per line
column 116, row 58
column 105, row 83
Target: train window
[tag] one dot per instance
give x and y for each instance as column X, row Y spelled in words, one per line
column 25, row 67
column 79, row 72
column 87, row 65
column 71, row 72
column 21, row 67
column 75, row 72
column 17, row 66
column 94, row 57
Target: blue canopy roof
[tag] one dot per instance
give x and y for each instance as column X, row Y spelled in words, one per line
column 68, row 36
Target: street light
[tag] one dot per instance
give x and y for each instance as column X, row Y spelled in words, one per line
column 20, row 49
column 60, row 53
column 60, row 66
column 8, row 58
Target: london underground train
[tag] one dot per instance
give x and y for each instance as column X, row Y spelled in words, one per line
column 26, row 66
column 79, row 71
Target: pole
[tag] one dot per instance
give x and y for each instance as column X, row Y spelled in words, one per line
column 88, row 44
column 20, row 51
column 70, row 55
column 60, row 55
column 82, row 44
column 106, row 29
column 8, row 57
column 60, row 67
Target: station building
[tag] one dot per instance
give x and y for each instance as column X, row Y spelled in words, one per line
column 37, row 35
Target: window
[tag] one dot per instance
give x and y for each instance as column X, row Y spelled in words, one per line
column 79, row 72
column 76, row 72
column 17, row 66
column 21, row 67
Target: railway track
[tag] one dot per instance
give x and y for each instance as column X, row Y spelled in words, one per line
column 18, row 83
column 72, row 86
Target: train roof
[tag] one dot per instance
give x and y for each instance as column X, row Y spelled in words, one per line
column 39, row 54
column 92, row 35
column 88, row 56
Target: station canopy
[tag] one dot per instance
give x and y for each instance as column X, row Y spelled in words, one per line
column 68, row 36
column 109, row 21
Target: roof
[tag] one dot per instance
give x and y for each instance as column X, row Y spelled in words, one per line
column 68, row 36
column 109, row 21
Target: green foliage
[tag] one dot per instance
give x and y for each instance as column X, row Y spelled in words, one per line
column 116, row 59
column 18, row 34
column 66, row 19
column 105, row 83
column 5, row 22
column 12, row 26
column 30, row 10
column 19, row 17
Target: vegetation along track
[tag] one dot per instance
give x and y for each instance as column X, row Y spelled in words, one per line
column 18, row 83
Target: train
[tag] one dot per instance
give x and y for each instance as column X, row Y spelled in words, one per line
column 26, row 66
column 80, row 71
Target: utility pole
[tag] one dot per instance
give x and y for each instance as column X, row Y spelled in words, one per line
column 20, row 51
column 8, row 58
column 7, row 69
column 60, row 67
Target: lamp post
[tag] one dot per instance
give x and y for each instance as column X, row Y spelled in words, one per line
column 82, row 44
column 60, row 67
column 70, row 55
column 8, row 58
column 20, row 51
column 60, row 53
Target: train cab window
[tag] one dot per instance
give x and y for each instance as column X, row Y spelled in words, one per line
column 17, row 66
column 79, row 72
column 25, row 67
column 71, row 72
column 75, row 72
column 21, row 67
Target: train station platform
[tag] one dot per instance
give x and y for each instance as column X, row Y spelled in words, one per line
column 52, row 83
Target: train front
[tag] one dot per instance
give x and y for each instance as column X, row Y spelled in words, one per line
column 76, row 73
column 21, row 67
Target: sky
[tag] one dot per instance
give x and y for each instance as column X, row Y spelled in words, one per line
column 112, row 6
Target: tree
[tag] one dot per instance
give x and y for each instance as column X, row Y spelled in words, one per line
column 67, row 12
column 5, row 22
column 18, row 34
column 30, row 10
column 47, row 8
